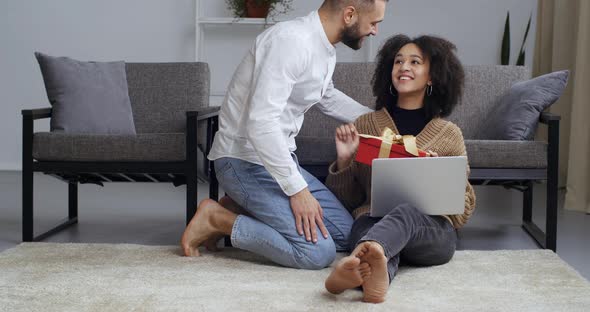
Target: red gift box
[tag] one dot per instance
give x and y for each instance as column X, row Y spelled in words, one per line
column 371, row 147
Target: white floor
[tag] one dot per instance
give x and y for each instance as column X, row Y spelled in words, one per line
column 153, row 214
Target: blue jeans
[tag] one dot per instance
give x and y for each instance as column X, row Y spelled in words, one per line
column 271, row 230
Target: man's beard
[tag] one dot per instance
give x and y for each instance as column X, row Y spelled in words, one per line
column 351, row 37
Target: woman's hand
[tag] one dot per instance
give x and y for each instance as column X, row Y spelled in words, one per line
column 347, row 142
column 431, row 154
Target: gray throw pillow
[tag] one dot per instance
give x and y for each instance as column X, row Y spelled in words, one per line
column 516, row 115
column 87, row 97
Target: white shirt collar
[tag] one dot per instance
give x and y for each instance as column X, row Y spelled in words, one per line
column 315, row 16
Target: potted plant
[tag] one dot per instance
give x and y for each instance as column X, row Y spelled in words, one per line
column 505, row 52
column 258, row 8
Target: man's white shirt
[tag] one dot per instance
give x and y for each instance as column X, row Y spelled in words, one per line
column 286, row 72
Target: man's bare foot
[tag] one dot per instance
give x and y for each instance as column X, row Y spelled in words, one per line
column 207, row 223
column 346, row 275
column 375, row 285
column 211, row 243
column 231, row 205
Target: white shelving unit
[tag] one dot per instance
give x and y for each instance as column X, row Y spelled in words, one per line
column 231, row 20
column 202, row 21
column 222, row 41
column 206, row 28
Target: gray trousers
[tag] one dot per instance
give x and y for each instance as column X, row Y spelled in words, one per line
column 408, row 236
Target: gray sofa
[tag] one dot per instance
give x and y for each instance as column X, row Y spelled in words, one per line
column 513, row 164
column 168, row 100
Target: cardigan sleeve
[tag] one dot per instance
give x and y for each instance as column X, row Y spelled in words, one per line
column 344, row 184
column 457, row 148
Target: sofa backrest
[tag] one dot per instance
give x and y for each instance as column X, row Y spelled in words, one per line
column 484, row 86
column 161, row 93
column 354, row 79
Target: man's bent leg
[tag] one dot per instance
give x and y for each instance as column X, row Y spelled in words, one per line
column 271, row 230
column 337, row 219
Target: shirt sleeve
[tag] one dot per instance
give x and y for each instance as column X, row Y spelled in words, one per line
column 340, row 106
column 279, row 63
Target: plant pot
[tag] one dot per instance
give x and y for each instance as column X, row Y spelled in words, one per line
column 255, row 10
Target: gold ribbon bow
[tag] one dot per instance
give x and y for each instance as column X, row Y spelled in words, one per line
column 388, row 138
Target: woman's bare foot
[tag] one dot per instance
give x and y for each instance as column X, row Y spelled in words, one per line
column 375, row 286
column 231, row 205
column 210, row 220
column 346, row 275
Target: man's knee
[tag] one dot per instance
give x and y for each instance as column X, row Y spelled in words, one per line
column 341, row 237
column 316, row 256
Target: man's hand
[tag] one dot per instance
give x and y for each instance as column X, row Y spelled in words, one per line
column 308, row 215
column 431, row 154
column 347, row 142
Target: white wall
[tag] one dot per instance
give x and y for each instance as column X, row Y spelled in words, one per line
column 100, row 30
column 163, row 31
column 475, row 26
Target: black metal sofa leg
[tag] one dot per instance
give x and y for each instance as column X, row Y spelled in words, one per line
column 527, row 203
column 547, row 239
column 27, row 204
column 28, row 216
column 73, row 201
column 551, row 221
column 191, row 195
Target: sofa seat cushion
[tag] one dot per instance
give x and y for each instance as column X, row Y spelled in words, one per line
column 315, row 150
column 506, row 154
column 482, row 153
column 52, row 146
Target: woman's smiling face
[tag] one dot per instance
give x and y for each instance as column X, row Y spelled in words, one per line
column 411, row 70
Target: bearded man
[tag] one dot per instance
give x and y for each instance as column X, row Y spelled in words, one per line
column 273, row 207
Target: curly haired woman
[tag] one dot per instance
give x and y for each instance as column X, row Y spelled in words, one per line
column 417, row 83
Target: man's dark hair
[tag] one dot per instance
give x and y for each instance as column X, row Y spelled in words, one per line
column 361, row 5
column 446, row 73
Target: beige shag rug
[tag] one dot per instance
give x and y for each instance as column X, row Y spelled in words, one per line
column 104, row 277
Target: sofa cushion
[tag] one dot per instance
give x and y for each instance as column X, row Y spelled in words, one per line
column 516, row 114
column 506, row 154
column 87, row 97
column 481, row 153
column 315, row 150
column 162, row 93
column 483, row 85
column 354, row 80
column 55, row 146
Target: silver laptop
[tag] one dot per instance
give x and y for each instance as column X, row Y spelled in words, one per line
column 434, row 185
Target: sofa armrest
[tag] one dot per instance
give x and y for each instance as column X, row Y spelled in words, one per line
column 546, row 117
column 37, row 113
column 209, row 114
column 203, row 113
column 29, row 116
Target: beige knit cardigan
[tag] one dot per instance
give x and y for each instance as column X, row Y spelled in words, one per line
column 352, row 185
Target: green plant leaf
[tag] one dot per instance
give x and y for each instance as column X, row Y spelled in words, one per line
column 520, row 61
column 238, row 7
column 505, row 55
column 521, row 56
